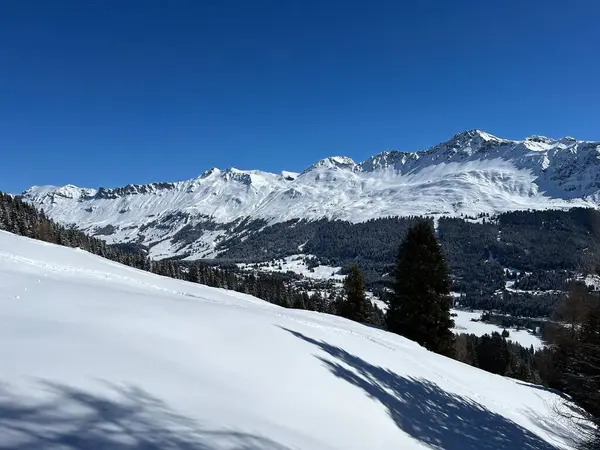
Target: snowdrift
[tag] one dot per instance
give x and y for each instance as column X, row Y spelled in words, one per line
column 96, row 355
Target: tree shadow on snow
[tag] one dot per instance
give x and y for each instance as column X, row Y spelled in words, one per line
column 545, row 389
column 128, row 419
column 426, row 412
column 567, row 424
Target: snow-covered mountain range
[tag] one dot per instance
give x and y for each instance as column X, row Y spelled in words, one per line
column 474, row 172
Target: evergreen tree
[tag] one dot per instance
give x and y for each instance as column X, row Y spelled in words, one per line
column 419, row 307
column 582, row 377
column 492, row 353
column 193, row 274
column 355, row 305
column 298, row 302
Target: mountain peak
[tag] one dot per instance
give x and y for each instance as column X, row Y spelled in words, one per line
column 68, row 191
column 475, row 135
column 541, row 139
column 207, row 173
column 234, row 170
column 241, row 176
column 333, row 162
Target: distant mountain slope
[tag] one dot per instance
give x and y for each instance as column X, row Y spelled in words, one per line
column 100, row 355
column 472, row 173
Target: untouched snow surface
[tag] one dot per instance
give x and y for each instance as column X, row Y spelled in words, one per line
column 96, row 355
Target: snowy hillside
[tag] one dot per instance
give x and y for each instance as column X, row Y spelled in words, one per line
column 96, row 355
column 472, row 173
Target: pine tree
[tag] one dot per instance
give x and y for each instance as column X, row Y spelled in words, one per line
column 492, row 353
column 299, row 302
column 355, row 305
column 582, row 377
column 193, row 274
column 419, row 306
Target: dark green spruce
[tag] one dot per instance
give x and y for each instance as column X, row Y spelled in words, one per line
column 419, row 306
column 355, row 305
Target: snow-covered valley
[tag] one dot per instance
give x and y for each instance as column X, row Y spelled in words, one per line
column 99, row 355
column 469, row 322
column 297, row 264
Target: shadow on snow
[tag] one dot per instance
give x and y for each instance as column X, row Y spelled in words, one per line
column 130, row 419
column 426, row 412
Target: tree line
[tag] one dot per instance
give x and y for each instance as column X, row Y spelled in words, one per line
column 536, row 250
column 23, row 219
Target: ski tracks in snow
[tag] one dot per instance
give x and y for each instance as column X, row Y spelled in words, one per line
column 98, row 275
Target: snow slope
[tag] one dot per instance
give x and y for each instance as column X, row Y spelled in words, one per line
column 96, row 355
column 472, row 173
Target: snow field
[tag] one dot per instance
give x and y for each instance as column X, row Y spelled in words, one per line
column 98, row 355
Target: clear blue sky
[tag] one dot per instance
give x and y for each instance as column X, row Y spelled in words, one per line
column 104, row 93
